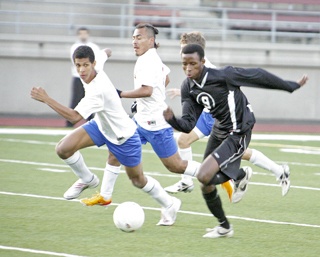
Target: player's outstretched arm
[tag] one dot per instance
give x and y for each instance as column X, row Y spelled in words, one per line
column 302, row 81
column 39, row 94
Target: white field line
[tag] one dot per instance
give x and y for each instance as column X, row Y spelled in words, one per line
column 151, row 173
column 194, row 154
column 180, row 211
column 27, row 250
column 62, row 132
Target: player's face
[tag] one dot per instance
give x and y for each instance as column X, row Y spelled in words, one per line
column 85, row 69
column 192, row 65
column 141, row 41
column 83, row 36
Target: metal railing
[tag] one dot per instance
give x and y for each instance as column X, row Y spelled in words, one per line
column 118, row 20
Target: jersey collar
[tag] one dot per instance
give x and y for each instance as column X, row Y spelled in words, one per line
column 203, row 79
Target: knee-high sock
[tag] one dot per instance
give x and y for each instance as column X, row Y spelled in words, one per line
column 109, row 180
column 79, row 167
column 156, row 191
column 192, row 168
column 214, row 204
column 262, row 161
column 186, row 154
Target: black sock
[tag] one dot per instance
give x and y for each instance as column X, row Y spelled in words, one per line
column 214, row 204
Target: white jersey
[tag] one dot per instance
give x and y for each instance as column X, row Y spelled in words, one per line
column 100, row 57
column 150, row 71
column 102, row 99
column 208, row 64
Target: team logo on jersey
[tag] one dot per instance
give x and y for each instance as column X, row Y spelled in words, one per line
column 206, row 100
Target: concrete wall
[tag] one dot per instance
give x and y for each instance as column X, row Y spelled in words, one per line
column 27, row 63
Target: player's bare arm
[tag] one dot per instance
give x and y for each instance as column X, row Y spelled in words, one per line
column 173, row 92
column 144, row 91
column 167, row 81
column 302, row 81
column 39, row 94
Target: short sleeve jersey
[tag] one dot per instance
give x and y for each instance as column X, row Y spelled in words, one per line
column 102, row 99
column 150, row 71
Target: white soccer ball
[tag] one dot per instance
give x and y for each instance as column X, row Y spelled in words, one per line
column 128, row 216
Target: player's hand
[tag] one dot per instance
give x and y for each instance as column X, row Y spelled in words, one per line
column 168, row 114
column 39, row 94
column 173, row 92
column 107, row 51
column 303, row 80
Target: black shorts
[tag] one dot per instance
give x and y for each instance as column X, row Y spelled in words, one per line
column 227, row 150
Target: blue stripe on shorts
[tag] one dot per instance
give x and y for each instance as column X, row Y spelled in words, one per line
column 128, row 153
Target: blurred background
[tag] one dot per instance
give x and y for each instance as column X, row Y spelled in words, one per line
column 282, row 36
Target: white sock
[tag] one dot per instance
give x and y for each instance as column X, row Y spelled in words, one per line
column 262, row 161
column 156, row 191
column 192, row 168
column 186, row 154
column 79, row 167
column 109, row 180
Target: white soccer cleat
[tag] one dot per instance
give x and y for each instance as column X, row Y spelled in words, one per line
column 169, row 215
column 75, row 190
column 285, row 180
column 219, row 231
column 240, row 187
column 180, row 186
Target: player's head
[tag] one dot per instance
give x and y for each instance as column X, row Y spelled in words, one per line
column 83, row 58
column 144, row 38
column 192, row 58
column 83, row 34
column 194, row 37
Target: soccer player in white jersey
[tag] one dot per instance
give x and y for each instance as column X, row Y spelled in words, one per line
column 150, row 81
column 111, row 126
column 203, row 128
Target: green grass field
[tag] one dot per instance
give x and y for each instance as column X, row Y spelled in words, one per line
column 37, row 221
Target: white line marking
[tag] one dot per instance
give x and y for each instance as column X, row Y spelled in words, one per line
column 303, row 151
column 54, row 170
column 185, row 212
column 151, row 173
column 19, row 131
column 38, row 251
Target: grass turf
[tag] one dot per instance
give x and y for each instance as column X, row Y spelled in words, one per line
column 265, row 223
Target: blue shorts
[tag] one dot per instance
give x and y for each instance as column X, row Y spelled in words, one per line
column 162, row 141
column 128, row 154
column 204, row 124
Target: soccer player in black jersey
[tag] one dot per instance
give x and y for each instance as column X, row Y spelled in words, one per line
column 219, row 91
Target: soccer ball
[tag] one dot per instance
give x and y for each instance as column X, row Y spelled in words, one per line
column 128, row 216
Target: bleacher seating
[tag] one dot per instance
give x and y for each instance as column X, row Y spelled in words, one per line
column 305, row 5
column 157, row 15
column 286, row 22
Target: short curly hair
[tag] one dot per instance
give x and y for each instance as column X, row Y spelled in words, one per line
column 83, row 52
column 194, row 37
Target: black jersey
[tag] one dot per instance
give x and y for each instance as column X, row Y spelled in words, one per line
column 219, row 91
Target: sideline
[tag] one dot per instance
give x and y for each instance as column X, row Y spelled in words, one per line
column 56, row 132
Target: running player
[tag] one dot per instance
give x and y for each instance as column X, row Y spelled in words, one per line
column 219, row 91
column 111, row 126
column 203, row 128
